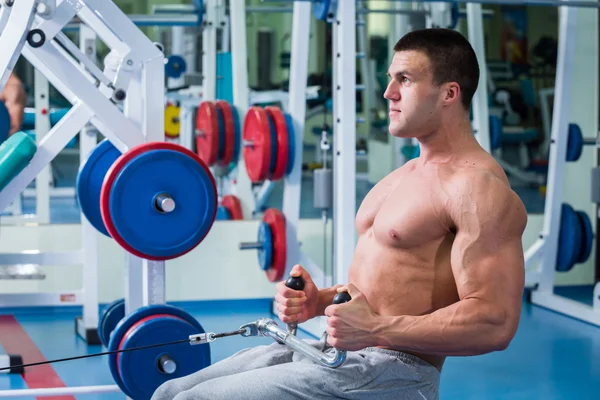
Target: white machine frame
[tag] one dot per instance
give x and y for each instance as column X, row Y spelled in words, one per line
column 136, row 65
column 540, row 258
column 48, row 146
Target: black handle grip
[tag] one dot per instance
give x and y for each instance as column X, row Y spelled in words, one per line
column 341, row 297
column 295, row 282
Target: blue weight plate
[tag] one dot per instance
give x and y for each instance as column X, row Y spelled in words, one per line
column 265, row 255
column 90, row 179
column 587, row 234
column 223, row 214
column 455, row 15
column 221, row 123
column 291, row 143
column 144, row 229
column 175, row 66
column 126, row 323
column 495, row 132
column 111, row 316
column 140, row 371
column 574, row 143
column 4, row 122
column 238, row 137
column 273, row 132
column 569, row 240
column 321, row 9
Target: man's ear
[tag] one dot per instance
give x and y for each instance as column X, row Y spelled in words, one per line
column 451, row 92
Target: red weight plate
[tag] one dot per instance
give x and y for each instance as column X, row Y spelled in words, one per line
column 114, row 171
column 207, row 133
column 276, row 221
column 233, row 205
column 283, row 147
column 229, row 125
column 257, row 156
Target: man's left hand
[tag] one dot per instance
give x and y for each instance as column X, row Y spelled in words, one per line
column 351, row 325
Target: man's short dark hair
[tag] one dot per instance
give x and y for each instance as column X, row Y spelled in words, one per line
column 451, row 56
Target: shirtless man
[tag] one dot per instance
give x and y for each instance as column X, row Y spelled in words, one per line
column 438, row 269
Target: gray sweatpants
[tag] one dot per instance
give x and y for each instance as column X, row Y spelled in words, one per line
column 277, row 372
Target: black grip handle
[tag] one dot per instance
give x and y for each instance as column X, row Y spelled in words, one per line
column 341, row 297
column 295, row 282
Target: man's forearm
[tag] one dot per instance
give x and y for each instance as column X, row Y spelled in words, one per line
column 468, row 327
column 326, row 298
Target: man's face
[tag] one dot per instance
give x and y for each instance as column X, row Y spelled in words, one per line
column 414, row 105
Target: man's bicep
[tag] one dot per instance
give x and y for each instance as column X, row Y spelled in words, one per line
column 487, row 254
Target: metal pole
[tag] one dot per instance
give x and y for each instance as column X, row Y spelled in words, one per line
column 297, row 110
column 344, row 138
column 480, row 99
column 239, row 70
column 558, row 149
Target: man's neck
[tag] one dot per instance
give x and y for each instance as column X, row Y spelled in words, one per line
column 451, row 139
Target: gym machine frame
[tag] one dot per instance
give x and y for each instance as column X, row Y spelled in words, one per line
column 140, row 68
column 18, row 26
column 545, row 249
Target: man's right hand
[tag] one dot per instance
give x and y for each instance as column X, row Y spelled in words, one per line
column 297, row 305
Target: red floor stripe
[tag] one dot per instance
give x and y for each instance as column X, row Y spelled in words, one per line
column 15, row 340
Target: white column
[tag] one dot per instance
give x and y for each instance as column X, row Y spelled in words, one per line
column 344, row 151
column 42, row 127
column 87, row 142
column 297, row 110
column 239, row 66
column 558, row 146
column 480, row 123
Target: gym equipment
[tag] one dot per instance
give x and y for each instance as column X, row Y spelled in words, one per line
column 158, row 201
column 320, row 7
column 217, row 133
column 172, row 122
column 140, row 373
column 574, row 143
column 269, row 144
column 29, row 119
column 271, row 244
column 207, row 132
column 175, row 66
column 562, row 227
column 295, row 283
column 229, row 132
column 140, row 360
column 570, row 239
column 268, row 327
column 111, row 316
column 233, row 207
column 324, row 10
column 259, row 143
column 11, row 363
column 90, row 179
column 4, row 122
column 588, row 237
column 495, row 132
column 15, row 154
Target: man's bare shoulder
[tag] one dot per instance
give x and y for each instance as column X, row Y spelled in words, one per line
column 482, row 194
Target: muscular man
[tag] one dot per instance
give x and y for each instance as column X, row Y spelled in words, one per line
column 14, row 98
column 438, row 269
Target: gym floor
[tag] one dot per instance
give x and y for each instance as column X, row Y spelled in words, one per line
column 551, row 357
